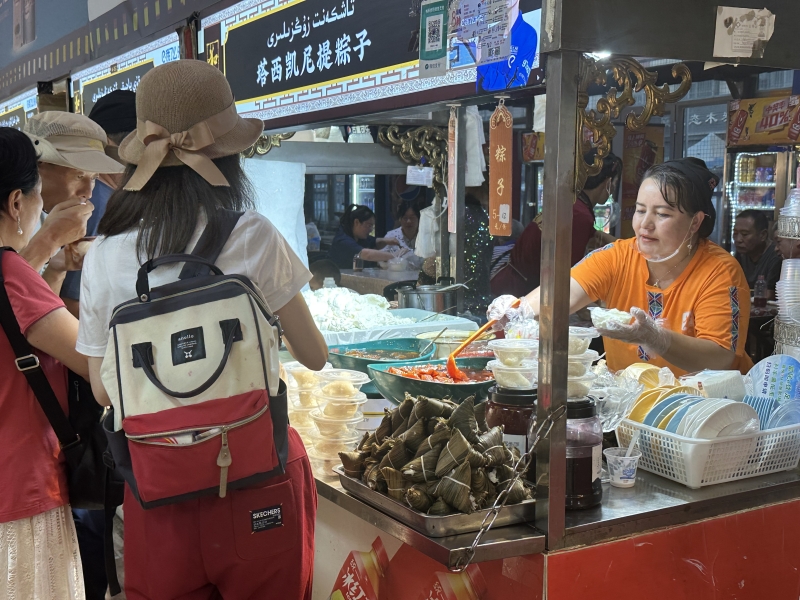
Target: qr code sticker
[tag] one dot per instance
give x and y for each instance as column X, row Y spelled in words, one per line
column 433, row 39
column 494, row 52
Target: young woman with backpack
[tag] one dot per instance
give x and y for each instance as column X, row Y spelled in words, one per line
column 184, row 167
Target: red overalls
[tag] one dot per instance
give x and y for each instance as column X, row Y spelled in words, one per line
column 207, row 548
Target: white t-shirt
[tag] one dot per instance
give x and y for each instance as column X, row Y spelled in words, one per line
column 255, row 249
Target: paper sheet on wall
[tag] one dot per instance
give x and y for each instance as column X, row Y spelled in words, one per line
column 280, row 190
column 742, row 32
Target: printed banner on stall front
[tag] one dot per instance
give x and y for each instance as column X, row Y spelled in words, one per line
column 15, row 111
column 764, row 121
column 641, row 150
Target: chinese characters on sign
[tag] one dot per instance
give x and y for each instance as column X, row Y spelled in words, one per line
column 500, row 170
column 310, row 43
column 764, row 121
column 283, row 68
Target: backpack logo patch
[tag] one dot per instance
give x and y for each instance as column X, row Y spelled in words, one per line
column 187, row 346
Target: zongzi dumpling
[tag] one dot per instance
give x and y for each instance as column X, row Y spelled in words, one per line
column 396, row 486
column 456, row 489
column 440, row 508
column 433, row 440
column 480, row 416
column 455, row 451
column 414, row 437
column 418, row 499
column 384, row 430
column 423, row 468
column 463, row 419
column 397, row 457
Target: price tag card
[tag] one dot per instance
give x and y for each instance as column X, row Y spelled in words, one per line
column 419, row 176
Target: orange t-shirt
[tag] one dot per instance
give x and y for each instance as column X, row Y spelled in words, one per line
column 709, row 301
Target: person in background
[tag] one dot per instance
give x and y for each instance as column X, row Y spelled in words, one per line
column 478, row 249
column 754, row 251
column 787, row 248
column 353, row 239
column 39, row 556
column 321, row 270
column 503, row 247
column 520, row 276
column 408, row 214
column 312, row 231
column 71, row 155
column 115, row 113
column 189, row 550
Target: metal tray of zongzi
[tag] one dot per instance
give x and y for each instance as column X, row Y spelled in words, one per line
column 430, row 525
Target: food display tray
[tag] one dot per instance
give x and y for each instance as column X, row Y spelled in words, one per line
column 435, row 526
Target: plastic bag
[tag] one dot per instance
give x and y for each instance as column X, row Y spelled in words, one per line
column 614, row 395
column 428, row 243
column 666, row 377
column 523, row 329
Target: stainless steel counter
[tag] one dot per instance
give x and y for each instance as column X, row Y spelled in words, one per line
column 655, row 502
column 506, row 542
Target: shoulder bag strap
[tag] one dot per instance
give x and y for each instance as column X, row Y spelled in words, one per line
column 28, row 364
column 204, row 249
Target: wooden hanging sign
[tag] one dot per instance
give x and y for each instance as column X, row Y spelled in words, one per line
column 500, row 170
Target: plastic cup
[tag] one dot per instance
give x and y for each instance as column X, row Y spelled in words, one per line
column 621, row 468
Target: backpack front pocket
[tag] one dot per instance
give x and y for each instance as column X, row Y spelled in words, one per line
column 190, row 449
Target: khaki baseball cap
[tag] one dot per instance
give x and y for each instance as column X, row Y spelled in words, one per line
column 71, row 140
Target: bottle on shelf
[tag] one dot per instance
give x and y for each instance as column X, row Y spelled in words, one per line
column 769, row 175
column 761, row 293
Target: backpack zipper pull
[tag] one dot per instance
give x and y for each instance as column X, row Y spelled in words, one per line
column 223, row 462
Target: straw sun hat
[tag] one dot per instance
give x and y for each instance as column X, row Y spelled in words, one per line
column 185, row 114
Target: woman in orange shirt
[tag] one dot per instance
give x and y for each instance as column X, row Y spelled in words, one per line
column 689, row 297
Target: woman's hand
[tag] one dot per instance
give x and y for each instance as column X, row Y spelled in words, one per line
column 683, row 351
column 502, row 313
column 644, row 331
column 383, row 242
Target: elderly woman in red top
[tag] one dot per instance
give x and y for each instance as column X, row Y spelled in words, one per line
column 39, row 556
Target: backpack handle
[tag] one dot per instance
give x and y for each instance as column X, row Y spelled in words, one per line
column 232, row 334
column 143, row 283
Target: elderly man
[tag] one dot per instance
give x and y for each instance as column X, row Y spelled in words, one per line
column 754, row 251
column 787, row 248
column 71, row 149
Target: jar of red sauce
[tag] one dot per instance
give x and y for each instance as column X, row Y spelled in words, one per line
column 514, row 410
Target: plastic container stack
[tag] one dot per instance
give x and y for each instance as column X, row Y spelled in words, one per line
column 579, row 375
column 334, row 415
column 516, row 366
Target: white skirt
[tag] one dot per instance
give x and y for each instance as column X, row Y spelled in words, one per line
column 39, row 558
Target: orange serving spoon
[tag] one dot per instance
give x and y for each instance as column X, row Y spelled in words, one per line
column 457, row 374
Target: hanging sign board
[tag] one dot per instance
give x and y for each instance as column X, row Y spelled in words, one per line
column 452, row 154
column 500, row 170
column 433, row 38
column 15, row 111
column 310, row 42
column 764, row 121
column 121, row 73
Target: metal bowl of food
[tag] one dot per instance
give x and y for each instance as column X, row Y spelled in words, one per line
column 419, row 378
column 357, row 357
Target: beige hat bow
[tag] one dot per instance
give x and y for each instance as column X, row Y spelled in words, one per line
column 185, row 145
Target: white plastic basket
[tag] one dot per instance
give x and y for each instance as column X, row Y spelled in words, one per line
column 697, row 463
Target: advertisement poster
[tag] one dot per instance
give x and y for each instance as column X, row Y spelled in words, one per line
column 641, row 150
column 764, row 121
column 433, row 38
column 357, row 561
column 532, row 146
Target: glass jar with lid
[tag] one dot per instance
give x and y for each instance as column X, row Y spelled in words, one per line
column 584, row 455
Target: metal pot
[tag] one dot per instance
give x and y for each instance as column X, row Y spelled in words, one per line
column 434, row 298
